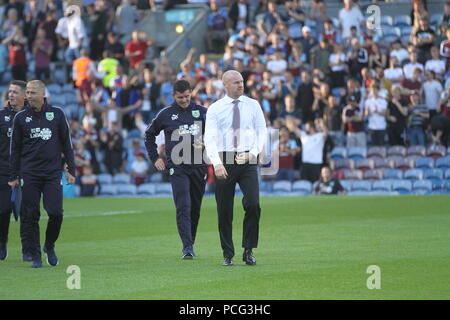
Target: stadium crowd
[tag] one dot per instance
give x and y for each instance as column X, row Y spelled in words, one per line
column 322, row 81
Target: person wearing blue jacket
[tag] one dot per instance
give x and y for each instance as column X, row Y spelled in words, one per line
column 183, row 124
column 40, row 136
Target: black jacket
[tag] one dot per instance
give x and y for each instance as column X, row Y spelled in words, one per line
column 38, row 141
column 233, row 15
column 6, row 122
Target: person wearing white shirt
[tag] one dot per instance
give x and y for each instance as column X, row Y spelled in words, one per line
column 375, row 111
column 399, row 52
column 76, row 34
column 408, row 68
column 313, row 142
column 350, row 16
column 235, row 134
column 394, row 73
column 435, row 63
column 432, row 90
column 278, row 66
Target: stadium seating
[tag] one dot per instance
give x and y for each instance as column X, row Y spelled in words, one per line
column 338, row 153
column 356, row 153
column 443, row 163
column 393, row 174
column 386, row 20
column 282, row 186
column 376, row 152
column 346, row 184
column 398, row 162
column 163, row 189
column 416, row 150
column 362, row 185
column 436, row 19
column 382, row 185
column 303, row 187
column 353, row 174
column 424, row 163
column 422, row 186
column 364, row 164
column 121, row 178
column 402, row 186
column 382, row 163
column 447, row 174
column 341, row 164
column 156, row 177
column 433, row 174
column 373, row 174
column 413, row 174
column 108, row 190
column 396, row 151
column 402, row 20
column 435, row 151
column 146, row 189
column 126, row 190
column 105, row 178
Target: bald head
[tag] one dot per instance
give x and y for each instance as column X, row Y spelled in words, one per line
column 35, row 94
column 233, row 84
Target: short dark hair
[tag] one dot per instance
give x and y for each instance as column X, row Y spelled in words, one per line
column 181, row 86
column 20, row 83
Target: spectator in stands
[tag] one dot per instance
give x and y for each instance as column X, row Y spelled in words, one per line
column 436, row 64
column 394, row 73
column 320, row 56
column 111, row 143
column 295, row 19
column 423, row 40
column 151, row 94
column 91, row 143
column 11, row 23
column 290, row 108
column 396, row 117
column 285, row 149
column 375, row 111
column 76, row 34
column 82, row 158
column 446, row 17
column 136, row 49
column 98, row 18
column 3, row 59
column 42, row 50
column 217, row 35
column 308, row 42
column 432, row 90
column 238, row 15
column 16, row 43
column 33, row 17
column 89, row 183
column 277, row 65
column 357, row 59
column 337, row 62
column 270, row 19
column 328, row 185
column 399, row 52
column 352, row 117
column 115, row 47
column 350, row 15
column 413, row 64
column 92, row 116
column 333, row 121
column 139, row 169
column 126, row 18
column 313, row 142
column 17, row 6
column 418, row 12
column 417, row 117
column 377, row 58
column 320, row 101
column 440, row 130
column 445, row 102
column 305, row 97
column 49, row 25
column 412, row 85
column 83, row 72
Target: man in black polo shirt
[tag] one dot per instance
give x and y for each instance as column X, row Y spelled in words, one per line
column 328, row 185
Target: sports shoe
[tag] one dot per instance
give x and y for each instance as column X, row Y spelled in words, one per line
column 188, row 253
column 26, row 257
column 248, row 257
column 52, row 259
column 37, row 263
column 3, row 251
column 227, row 262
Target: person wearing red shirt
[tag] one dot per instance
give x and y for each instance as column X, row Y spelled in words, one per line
column 136, row 49
column 16, row 47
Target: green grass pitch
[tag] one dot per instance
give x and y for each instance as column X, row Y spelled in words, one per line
column 310, row 248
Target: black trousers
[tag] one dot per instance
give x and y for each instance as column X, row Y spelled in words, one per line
column 310, row 171
column 247, row 177
column 5, row 212
column 188, row 186
column 52, row 193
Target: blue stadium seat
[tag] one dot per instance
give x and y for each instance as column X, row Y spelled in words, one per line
column 402, row 186
column 436, row 18
column 443, row 163
column 402, row 20
column 362, row 185
column 156, row 177
column 447, row 186
column 71, row 98
column 54, row 89
column 390, row 38
column 433, row 174
column 436, row 151
column 382, row 185
column 338, row 153
column 422, row 186
column 406, row 30
column 382, row 163
column 447, row 174
column 121, row 178
column 356, row 153
column 146, row 189
column 359, row 193
column 163, row 188
column 416, row 150
column 393, row 174
column 302, row 186
column 105, row 178
column 425, row 163
column 58, row 100
column 374, row 174
column 68, row 87
column 386, row 20
column 126, row 190
column 396, row 151
column 413, row 174
column 353, row 174
column 266, row 186
column 365, row 164
column 402, row 163
column 347, row 184
column 391, row 31
column 376, row 152
column 282, row 186
column 341, row 164
column 108, row 190
column 438, row 184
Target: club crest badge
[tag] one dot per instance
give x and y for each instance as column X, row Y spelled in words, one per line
column 171, row 171
column 28, row 119
column 174, row 116
column 49, row 116
column 196, row 113
column 7, row 118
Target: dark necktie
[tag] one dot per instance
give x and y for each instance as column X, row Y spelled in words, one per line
column 236, row 123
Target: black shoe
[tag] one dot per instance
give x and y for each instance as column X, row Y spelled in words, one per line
column 227, row 262
column 37, row 263
column 52, row 259
column 248, row 257
column 26, row 257
column 188, row 253
column 3, row 251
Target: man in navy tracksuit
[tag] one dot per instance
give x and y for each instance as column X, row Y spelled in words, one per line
column 40, row 136
column 183, row 124
column 16, row 100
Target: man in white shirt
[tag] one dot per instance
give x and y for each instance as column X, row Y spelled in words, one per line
column 375, row 111
column 432, row 90
column 436, row 64
column 394, row 73
column 399, row 52
column 235, row 134
column 76, row 34
column 408, row 68
column 350, row 16
column 313, row 142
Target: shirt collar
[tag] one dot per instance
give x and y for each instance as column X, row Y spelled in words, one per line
column 189, row 107
column 228, row 99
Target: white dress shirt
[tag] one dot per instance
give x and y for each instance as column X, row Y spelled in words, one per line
column 376, row 120
column 219, row 132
